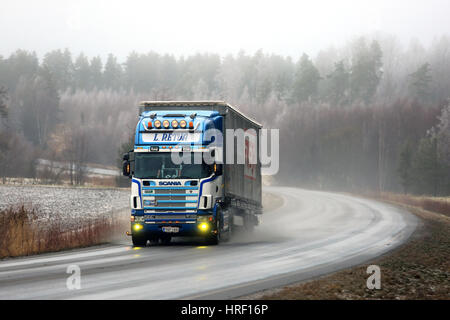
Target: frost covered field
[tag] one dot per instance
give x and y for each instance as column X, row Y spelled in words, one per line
column 65, row 201
column 37, row 219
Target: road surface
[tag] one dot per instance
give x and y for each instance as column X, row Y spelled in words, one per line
column 311, row 234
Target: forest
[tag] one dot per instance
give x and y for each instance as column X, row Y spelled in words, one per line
column 372, row 115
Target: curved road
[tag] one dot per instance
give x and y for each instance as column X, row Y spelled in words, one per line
column 311, row 234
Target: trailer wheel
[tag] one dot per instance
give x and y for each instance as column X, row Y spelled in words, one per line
column 139, row 241
column 226, row 235
column 249, row 223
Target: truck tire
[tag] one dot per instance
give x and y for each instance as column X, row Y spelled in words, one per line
column 214, row 239
column 154, row 241
column 249, row 223
column 225, row 236
column 166, row 240
column 139, row 241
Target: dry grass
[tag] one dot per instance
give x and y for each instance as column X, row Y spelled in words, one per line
column 438, row 205
column 101, row 181
column 24, row 232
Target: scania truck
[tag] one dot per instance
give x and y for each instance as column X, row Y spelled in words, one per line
column 195, row 172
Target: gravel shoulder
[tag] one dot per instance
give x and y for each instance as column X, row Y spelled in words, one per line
column 419, row 269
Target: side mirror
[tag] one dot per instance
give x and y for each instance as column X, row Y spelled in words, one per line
column 218, row 168
column 126, row 170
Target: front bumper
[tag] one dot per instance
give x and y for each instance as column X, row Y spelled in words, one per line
column 185, row 229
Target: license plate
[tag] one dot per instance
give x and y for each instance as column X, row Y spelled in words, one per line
column 170, row 229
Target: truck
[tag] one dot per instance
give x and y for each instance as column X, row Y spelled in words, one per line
column 214, row 191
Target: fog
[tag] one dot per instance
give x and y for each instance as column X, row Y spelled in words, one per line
column 359, row 90
column 187, row 27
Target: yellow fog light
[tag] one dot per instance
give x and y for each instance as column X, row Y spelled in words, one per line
column 138, row 227
column 203, row 226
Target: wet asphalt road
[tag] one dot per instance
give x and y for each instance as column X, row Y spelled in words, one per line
column 311, row 234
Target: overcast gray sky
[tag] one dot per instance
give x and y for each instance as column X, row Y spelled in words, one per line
column 190, row 26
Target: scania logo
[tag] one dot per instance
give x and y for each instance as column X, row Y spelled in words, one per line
column 170, row 183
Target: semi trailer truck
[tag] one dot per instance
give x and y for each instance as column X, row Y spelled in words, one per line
column 195, row 172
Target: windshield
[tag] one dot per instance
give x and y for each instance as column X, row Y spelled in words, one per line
column 160, row 166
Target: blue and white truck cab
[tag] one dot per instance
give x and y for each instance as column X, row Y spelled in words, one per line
column 179, row 183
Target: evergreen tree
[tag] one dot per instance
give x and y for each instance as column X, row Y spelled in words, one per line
column 60, row 64
column 21, row 64
column 306, row 80
column 338, row 84
column 112, row 76
column 366, row 71
column 82, row 73
column 426, row 167
column 405, row 166
column 419, row 83
column 96, row 73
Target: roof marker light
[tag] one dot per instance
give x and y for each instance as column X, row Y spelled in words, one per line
column 166, row 124
column 191, row 125
column 157, row 124
column 174, row 124
column 183, row 124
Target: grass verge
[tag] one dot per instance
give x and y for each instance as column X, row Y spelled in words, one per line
column 420, row 269
column 24, row 232
column 437, row 205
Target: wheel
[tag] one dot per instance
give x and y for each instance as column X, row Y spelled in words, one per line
column 249, row 224
column 154, row 241
column 166, row 240
column 225, row 236
column 214, row 239
column 139, row 241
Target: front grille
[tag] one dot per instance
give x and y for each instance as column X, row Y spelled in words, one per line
column 171, row 198
column 171, row 204
column 166, row 199
column 171, row 191
column 166, row 217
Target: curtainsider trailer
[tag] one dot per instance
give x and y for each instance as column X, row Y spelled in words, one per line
column 195, row 171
